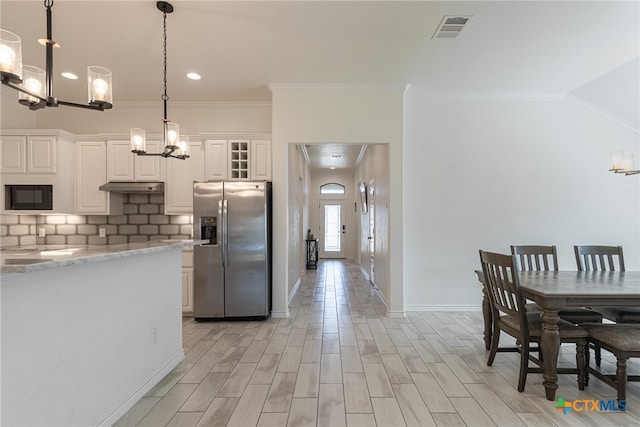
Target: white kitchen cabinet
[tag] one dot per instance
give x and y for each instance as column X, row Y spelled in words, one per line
column 32, row 154
column 260, row 159
column 239, row 160
column 39, row 157
column 123, row 165
column 91, row 173
column 216, row 159
column 180, row 175
column 187, row 282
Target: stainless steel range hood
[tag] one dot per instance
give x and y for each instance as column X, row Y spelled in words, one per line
column 133, row 187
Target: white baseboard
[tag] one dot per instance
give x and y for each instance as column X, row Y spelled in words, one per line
column 396, row 314
column 118, row 412
column 294, row 290
column 365, row 273
column 279, row 314
column 426, row 307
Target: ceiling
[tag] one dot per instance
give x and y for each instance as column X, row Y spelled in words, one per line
column 240, row 47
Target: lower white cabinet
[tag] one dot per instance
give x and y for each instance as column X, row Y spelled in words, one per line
column 187, row 282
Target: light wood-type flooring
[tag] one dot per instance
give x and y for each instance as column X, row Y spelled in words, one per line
column 338, row 360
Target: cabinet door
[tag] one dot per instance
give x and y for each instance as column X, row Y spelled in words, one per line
column 187, row 281
column 14, row 154
column 148, row 168
column 91, row 173
column 42, row 154
column 215, row 160
column 120, row 161
column 261, row 160
column 178, row 191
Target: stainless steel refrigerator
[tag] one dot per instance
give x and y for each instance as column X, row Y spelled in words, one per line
column 232, row 273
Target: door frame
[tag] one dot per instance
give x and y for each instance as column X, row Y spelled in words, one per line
column 343, row 218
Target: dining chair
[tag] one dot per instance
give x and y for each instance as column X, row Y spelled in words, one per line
column 509, row 316
column 606, row 258
column 545, row 258
column 623, row 340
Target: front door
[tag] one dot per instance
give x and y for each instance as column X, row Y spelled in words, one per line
column 332, row 229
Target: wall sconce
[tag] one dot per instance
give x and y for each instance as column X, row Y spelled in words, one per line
column 622, row 163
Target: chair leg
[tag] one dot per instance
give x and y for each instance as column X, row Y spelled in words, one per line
column 524, row 365
column 598, row 354
column 621, row 378
column 580, row 363
column 495, row 340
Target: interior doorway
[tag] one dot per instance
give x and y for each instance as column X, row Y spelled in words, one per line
column 372, row 232
column 332, row 217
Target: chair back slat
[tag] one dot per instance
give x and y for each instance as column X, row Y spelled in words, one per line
column 535, row 257
column 599, row 258
column 502, row 285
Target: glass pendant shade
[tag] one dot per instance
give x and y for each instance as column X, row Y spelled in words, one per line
column 615, row 160
column 628, row 162
column 33, row 80
column 10, row 56
column 183, row 147
column 171, row 135
column 138, row 140
column 99, row 85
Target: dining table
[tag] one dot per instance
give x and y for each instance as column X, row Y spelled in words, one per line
column 555, row 290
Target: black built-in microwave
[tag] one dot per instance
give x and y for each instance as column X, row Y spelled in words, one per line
column 29, row 197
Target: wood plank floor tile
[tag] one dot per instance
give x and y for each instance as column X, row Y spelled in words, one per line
column 338, row 360
column 387, row 412
column 331, row 410
column 249, row 407
column 356, row 393
column 303, row 413
column 308, row 380
column 377, row 380
column 280, row 393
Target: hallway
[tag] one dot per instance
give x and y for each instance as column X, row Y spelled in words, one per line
column 338, row 360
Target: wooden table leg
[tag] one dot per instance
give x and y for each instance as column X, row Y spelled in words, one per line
column 550, row 342
column 488, row 319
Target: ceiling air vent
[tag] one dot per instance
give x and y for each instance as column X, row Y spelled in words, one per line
column 451, row 26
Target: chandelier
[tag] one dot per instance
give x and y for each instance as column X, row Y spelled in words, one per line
column 622, row 163
column 35, row 85
column 174, row 146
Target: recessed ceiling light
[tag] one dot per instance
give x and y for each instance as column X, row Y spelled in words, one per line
column 69, row 76
column 332, row 167
column 193, row 76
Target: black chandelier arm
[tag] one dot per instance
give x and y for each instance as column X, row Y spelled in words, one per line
column 53, row 102
column 168, row 152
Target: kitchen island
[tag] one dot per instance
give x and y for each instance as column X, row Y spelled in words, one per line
column 87, row 330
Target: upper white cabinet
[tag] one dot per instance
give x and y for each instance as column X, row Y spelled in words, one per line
column 39, row 157
column 29, row 154
column 91, row 173
column 123, row 165
column 238, row 159
column 178, row 188
column 215, row 168
column 261, row 159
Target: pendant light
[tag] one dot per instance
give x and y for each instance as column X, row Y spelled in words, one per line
column 35, row 85
column 174, row 146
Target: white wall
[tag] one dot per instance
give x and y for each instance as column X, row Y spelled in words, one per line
column 375, row 166
column 488, row 173
column 340, row 114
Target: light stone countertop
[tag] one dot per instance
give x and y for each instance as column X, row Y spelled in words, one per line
column 27, row 259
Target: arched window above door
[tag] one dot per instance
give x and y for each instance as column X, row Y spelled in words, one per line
column 332, row 188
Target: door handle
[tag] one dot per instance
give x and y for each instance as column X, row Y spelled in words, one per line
column 223, row 232
column 225, row 215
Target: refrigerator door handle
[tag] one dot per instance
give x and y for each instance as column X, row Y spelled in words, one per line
column 225, row 239
column 221, row 231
